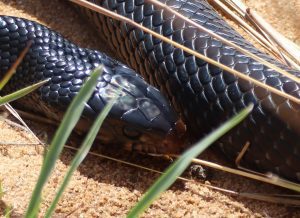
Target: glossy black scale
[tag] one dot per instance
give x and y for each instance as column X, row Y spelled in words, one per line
column 204, row 94
column 141, row 110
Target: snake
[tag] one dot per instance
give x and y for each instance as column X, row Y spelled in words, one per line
column 169, row 98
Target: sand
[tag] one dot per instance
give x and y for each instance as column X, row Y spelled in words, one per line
column 104, row 188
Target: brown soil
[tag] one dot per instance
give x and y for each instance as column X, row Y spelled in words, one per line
column 105, row 188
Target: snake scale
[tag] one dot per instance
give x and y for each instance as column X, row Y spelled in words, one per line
column 202, row 95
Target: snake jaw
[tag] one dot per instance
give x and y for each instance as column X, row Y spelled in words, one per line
column 176, row 139
column 171, row 143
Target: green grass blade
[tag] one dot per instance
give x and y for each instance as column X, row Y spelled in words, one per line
column 177, row 168
column 21, row 93
column 68, row 123
column 8, row 211
column 81, row 154
column 1, row 190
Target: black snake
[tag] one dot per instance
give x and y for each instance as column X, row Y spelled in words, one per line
column 203, row 95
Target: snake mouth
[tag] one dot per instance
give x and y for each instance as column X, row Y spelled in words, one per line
column 173, row 142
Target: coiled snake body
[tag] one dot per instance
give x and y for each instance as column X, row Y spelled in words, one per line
column 202, row 94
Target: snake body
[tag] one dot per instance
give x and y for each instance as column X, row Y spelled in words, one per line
column 202, row 94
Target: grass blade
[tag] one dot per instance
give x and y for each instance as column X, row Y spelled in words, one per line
column 21, row 93
column 80, row 155
column 177, row 168
column 8, row 211
column 68, row 123
column 1, row 190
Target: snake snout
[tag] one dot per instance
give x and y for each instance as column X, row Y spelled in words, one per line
column 152, row 126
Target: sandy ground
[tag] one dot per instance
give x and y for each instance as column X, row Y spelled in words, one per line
column 103, row 188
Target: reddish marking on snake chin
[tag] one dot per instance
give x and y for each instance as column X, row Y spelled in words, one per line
column 176, row 139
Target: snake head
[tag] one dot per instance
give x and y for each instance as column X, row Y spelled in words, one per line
column 141, row 118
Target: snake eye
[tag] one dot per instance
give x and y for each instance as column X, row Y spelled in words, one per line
column 131, row 132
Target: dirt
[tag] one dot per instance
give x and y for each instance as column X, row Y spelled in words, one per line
column 105, row 188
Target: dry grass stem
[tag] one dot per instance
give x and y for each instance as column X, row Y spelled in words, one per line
column 246, row 27
column 36, row 118
column 17, row 116
column 227, row 42
column 288, row 46
column 286, row 50
column 274, row 180
column 113, row 15
column 18, row 143
column 14, row 66
column 279, row 199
